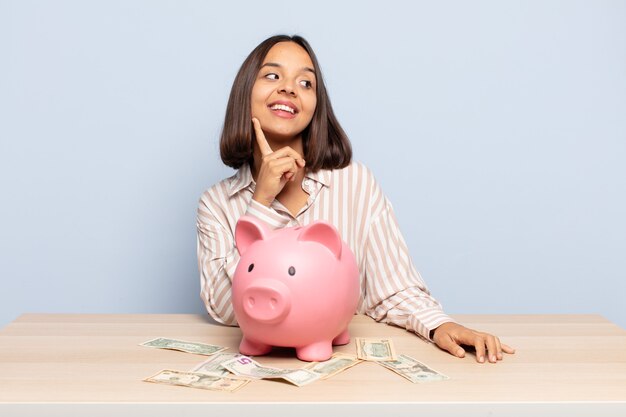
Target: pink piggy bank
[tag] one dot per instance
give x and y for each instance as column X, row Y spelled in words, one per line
column 293, row 287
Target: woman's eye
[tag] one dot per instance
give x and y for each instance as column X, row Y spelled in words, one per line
column 306, row 83
column 292, row 271
column 271, row 76
column 251, row 267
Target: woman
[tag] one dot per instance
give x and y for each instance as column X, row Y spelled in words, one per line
column 295, row 166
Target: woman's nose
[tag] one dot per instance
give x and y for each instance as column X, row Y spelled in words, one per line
column 287, row 87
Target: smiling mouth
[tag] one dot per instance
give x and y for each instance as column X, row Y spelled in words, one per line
column 282, row 107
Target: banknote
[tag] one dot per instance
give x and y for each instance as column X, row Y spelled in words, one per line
column 375, row 349
column 248, row 367
column 197, row 380
column 213, row 365
column 339, row 362
column 413, row 370
column 184, row 346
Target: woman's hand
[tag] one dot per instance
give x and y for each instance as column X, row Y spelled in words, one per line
column 450, row 337
column 276, row 168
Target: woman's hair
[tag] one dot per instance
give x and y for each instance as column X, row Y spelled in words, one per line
column 326, row 145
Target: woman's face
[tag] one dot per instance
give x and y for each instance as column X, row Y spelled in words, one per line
column 283, row 95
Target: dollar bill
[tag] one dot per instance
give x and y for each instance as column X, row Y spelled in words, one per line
column 375, row 349
column 184, row 346
column 213, row 365
column 339, row 362
column 413, row 370
column 248, row 367
column 197, row 380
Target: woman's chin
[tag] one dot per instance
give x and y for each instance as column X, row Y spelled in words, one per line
column 281, row 135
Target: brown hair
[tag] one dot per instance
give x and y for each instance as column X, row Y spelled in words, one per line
column 326, row 145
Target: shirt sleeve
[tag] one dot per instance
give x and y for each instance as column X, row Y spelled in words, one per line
column 396, row 293
column 266, row 214
column 218, row 255
column 217, row 260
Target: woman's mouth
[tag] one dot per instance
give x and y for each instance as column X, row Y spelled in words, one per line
column 287, row 111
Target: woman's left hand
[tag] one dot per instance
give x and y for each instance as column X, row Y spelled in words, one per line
column 450, row 337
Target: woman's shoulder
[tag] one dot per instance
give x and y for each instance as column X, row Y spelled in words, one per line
column 357, row 169
column 357, row 172
column 216, row 194
column 356, row 180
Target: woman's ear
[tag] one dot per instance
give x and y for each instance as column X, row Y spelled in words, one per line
column 248, row 230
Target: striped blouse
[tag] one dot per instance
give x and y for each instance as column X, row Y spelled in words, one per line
column 392, row 291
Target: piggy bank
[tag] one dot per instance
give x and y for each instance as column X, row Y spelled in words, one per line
column 294, row 287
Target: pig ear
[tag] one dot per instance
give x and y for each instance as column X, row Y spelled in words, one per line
column 324, row 233
column 248, row 230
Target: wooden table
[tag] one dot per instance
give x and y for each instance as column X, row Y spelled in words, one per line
column 91, row 364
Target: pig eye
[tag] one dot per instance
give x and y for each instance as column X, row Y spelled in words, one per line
column 292, row 271
column 251, row 267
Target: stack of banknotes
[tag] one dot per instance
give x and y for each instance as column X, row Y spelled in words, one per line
column 228, row 372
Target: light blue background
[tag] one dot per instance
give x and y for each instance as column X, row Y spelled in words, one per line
column 497, row 129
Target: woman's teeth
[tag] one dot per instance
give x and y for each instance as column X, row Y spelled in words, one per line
column 283, row 108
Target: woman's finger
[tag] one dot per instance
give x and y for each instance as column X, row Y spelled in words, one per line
column 507, row 348
column 280, row 167
column 287, row 151
column 260, row 138
column 499, row 349
column 447, row 343
column 492, row 348
column 479, row 345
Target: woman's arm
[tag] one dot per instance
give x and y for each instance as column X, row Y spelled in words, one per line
column 397, row 294
column 217, row 253
column 217, row 260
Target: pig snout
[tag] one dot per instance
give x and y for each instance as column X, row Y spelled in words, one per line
column 267, row 301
